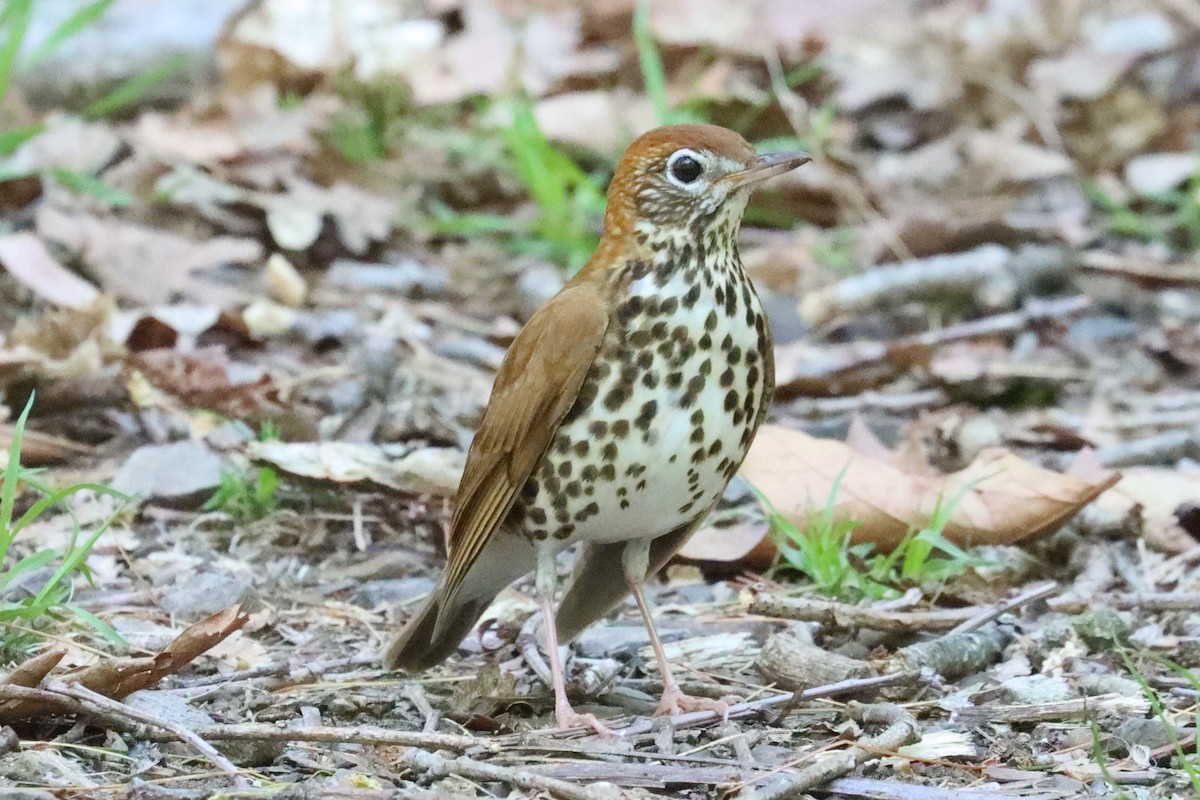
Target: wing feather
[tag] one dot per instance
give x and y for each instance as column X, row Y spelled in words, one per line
column 536, row 386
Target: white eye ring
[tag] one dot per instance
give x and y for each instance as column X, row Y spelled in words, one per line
column 685, row 168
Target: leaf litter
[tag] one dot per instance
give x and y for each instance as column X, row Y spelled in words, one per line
column 273, row 314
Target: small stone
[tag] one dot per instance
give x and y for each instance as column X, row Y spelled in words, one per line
column 285, row 283
column 42, row 768
column 1155, row 173
column 1149, row 733
column 1101, row 627
column 374, row 594
column 177, row 473
column 205, row 593
column 264, row 318
column 1036, row 689
column 168, row 706
column 1093, row 685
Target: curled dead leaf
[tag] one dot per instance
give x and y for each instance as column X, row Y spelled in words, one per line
column 424, row 470
column 999, row 498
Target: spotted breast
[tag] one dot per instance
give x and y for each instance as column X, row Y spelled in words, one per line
column 670, row 405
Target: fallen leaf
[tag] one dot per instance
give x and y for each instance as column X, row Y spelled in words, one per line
column 1156, row 495
column 1155, row 173
column 247, row 122
column 746, row 543
column 39, row 449
column 118, row 677
column 26, row 258
column 63, row 343
column 67, row 143
column 425, row 470
column 602, row 121
column 148, row 265
column 999, row 498
column 208, row 379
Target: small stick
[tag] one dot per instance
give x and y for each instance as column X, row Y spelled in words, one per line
column 902, row 728
column 185, row 735
column 843, row 616
column 437, row 767
column 359, row 734
column 1091, row 707
column 77, row 699
column 956, row 654
column 696, row 718
column 1157, row 601
column 302, row 674
column 986, row 615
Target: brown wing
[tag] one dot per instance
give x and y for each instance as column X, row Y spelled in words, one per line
column 535, row 388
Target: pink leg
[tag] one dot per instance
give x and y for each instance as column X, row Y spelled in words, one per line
column 564, row 714
column 673, row 701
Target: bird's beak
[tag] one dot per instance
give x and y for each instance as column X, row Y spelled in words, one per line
column 766, row 166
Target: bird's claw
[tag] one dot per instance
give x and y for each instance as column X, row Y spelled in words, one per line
column 570, row 718
column 675, row 701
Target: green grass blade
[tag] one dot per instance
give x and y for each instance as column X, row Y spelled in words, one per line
column 30, row 562
column 12, row 475
column 654, row 76
column 101, row 627
column 13, row 138
column 82, row 183
column 134, row 89
column 71, row 27
column 16, row 17
column 54, row 497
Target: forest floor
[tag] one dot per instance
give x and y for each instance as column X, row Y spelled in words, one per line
column 254, row 329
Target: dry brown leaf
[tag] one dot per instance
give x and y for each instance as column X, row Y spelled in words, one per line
column 1001, row 499
column 64, row 343
column 602, row 121
column 32, row 670
column 119, row 677
column 206, row 378
column 745, row 544
column 26, row 258
column 764, row 25
column 39, row 449
column 67, row 143
column 147, row 265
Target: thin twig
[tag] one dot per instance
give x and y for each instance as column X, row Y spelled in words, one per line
column 986, row 615
column 107, row 704
column 75, row 699
column 359, row 734
column 902, row 728
column 436, row 766
column 696, row 718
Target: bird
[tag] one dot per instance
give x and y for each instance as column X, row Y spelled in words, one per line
column 620, row 412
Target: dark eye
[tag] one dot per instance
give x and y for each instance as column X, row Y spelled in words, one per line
column 685, row 169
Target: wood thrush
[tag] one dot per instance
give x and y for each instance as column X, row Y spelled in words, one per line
column 621, row 411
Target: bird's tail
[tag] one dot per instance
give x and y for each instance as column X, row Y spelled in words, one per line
column 433, row 634
column 423, row 643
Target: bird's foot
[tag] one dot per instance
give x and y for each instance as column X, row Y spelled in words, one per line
column 675, row 701
column 567, row 717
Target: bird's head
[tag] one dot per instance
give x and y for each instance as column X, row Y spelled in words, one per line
column 681, row 176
